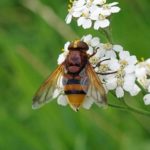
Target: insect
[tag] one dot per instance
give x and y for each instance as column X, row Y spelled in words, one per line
column 78, row 78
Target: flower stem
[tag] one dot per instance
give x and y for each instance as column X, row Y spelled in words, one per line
column 141, row 87
column 108, row 35
column 136, row 110
column 117, row 106
column 129, row 108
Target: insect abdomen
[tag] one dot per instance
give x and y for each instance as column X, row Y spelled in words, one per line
column 75, row 92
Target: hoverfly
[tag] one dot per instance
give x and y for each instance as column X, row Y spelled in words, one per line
column 78, row 78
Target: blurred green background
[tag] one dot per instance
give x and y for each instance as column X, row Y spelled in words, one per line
column 32, row 34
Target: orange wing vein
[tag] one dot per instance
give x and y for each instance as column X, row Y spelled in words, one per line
column 46, row 90
column 96, row 89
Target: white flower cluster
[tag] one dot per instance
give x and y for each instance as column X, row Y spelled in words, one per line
column 118, row 70
column 92, row 12
column 143, row 77
column 117, row 66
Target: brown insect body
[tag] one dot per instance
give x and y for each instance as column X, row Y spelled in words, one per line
column 79, row 80
column 75, row 80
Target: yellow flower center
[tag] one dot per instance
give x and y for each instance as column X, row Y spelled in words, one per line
column 94, row 60
column 120, row 82
column 120, row 77
column 108, row 46
column 103, row 68
column 106, row 6
column 101, row 17
column 85, row 14
column 123, row 63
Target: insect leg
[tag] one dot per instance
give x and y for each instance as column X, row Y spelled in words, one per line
column 106, row 73
column 95, row 51
column 99, row 63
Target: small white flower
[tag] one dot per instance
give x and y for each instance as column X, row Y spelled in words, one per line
column 84, row 20
column 108, row 9
column 92, row 42
column 91, row 12
column 101, row 22
column 124, row 79
column 75, row 10
column 142, row 71
column 108, row 50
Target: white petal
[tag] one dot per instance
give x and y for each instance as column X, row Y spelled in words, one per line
column 140, row 72
column 132, row 60
column 96, row 25
column 87, row 103
column 68, row 18
column 148, row 61
column 113, row 3
column 147, row 99
column 119, row 92
column 129, row 82
column 135, row 90
column 111, row 84
column 124, row 55
column 77, row 14
column 80, row 21
column 66, row 46
column 62, row 100
column 104, row 23
column 99, row 2
column 93, row 8
column 130, row 69
column 105, row 12
column 101, row 23
column 100, row 53
column 95, row 41
column 114, row 64
column 110, row 54
column 87, row 38
column 115, row 9
column 87, row 23
column 117, row 48
column 61, row 58
column 90, row 50
column 95, row 14
column 79, row 3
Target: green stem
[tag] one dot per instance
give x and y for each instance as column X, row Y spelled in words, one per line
column 117, row 106
column 107, row 33
column 141, row 87
column 136, row 110
column 129, row 108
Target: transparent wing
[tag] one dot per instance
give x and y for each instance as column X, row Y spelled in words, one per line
column 95, row 90
column 84, row 80
column 47, row 91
